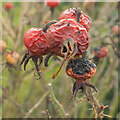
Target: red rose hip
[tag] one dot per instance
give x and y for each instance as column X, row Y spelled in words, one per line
column 8, row 5
column 53, row 3
column 72, row 14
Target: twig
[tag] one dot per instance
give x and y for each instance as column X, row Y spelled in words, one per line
column 21, row 25
column 36, row 105
column 56, row 101
column 6, row 96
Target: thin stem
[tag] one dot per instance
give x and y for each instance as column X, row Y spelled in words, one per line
column 94, row 103
column 36, row 105
column 56, row 101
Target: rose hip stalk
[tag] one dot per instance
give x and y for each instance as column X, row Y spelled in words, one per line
column 77, row 14
column 67, row 38
column 35, row 41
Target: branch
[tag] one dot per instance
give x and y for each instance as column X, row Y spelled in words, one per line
column 56, row 101
column 36, row 105
column 94, row 103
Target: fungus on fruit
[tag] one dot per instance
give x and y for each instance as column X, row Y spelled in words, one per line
column 81, row 69
column 67, row 38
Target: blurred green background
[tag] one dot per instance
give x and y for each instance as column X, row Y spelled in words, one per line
column 24, row 96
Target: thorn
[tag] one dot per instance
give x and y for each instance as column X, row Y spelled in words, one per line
column 107, row 115
column 83, row 101
column 42, row 70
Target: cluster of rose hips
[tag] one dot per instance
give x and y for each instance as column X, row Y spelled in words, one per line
column 67, row 38
column 11, row 56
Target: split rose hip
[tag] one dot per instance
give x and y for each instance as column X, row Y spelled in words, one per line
column 2, row 46
column 53, row 3
column 8, row 5
column 11, row 57
column 63, row 36
column 72, row 14
column 67, row 38
column 81, row 69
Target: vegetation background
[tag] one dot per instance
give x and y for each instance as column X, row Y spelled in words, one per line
column 24, row 96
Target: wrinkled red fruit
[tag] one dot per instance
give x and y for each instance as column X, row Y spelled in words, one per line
column 63, row 30
column 8, row 5
column 71, row 14
column 35, row 40
column 53, row 3
column 100, row 52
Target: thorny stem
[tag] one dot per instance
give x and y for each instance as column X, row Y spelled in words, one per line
column 94, row 103
column 56, row 101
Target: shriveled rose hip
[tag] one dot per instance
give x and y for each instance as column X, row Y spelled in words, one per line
column 81, row 69
column 64, row 34
column 72, row 14
column 2, row 46
column 100, row 52
column 116, row 30
column 11, row 57
column 35, row 40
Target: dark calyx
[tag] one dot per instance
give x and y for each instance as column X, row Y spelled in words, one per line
column 81, row 84
column 26, row 59
column 96, row 60
column 97, row 49
column 80, row 66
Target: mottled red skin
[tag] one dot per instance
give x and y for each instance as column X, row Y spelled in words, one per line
column 35, row 40
column 53, row 3
column 116, row 29
column 71, row 14
column 100, row 52
column 80, row 76
column 8, row 5
column 59, row 32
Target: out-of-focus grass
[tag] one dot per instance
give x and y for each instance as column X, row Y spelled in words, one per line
column 22, row 90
